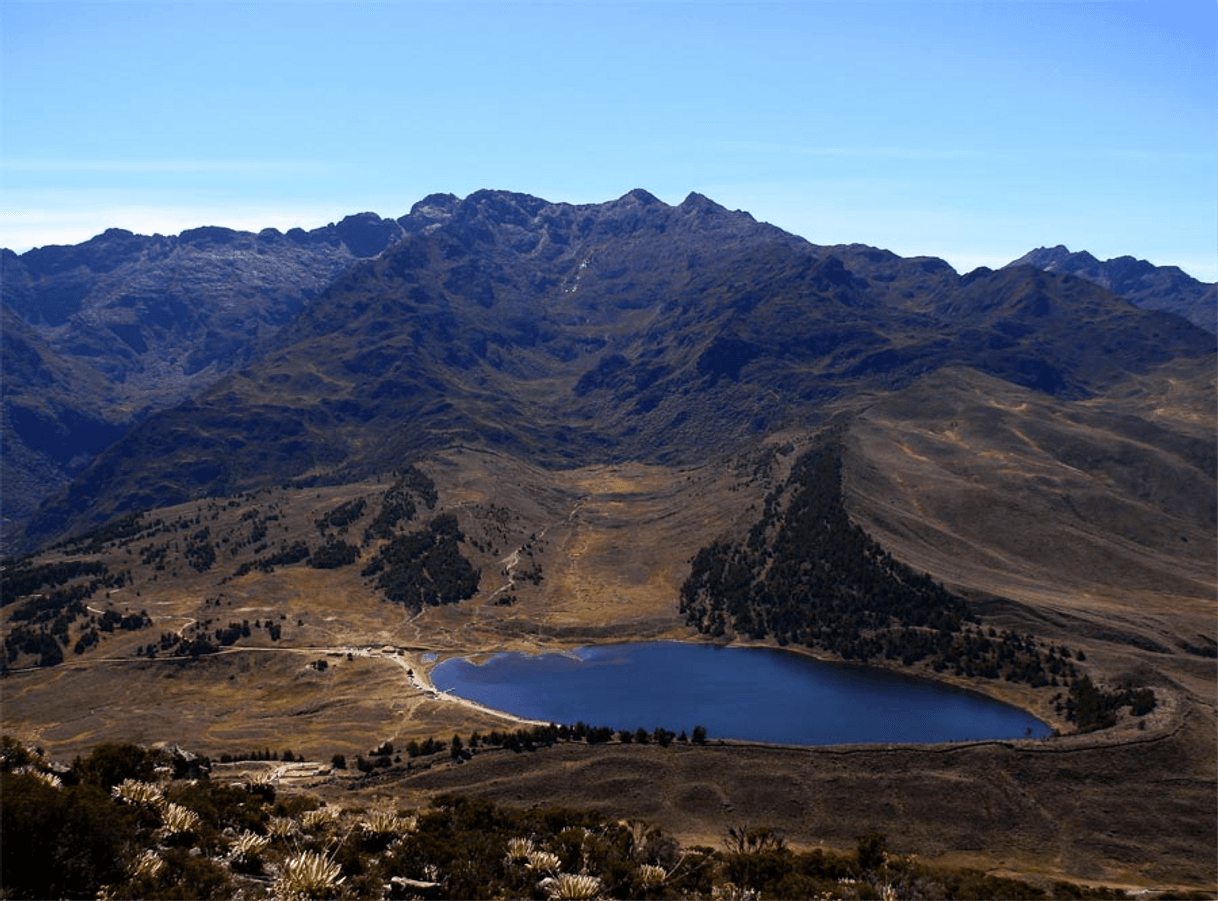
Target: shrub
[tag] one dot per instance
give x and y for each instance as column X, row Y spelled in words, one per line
column 571, row 886
column 109, row 764
column 141, row 794
column 307, row 875
column 222, row 806
column 518, row 850
column 178, row 820
column 543, row 862
column 245, row 853
column 61, row 842
column 181, row 876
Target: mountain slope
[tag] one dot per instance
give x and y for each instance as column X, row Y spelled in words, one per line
column 1006, row 490
column 535, row 426
column 629, row 330
column 100, row 334
column 1165, row 288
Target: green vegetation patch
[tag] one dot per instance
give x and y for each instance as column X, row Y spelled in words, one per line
column 425, row 568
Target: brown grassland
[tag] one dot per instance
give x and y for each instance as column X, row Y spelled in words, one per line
column 954, row 480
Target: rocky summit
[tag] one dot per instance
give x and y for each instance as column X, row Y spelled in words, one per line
column 256, row 485
column 628, row 330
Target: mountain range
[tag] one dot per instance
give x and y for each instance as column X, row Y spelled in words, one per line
column 1153, row 287
column 260, row 483
column 98, row 335
column 141, row 371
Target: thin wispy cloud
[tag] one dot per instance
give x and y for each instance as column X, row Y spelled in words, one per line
column 57, row 221
column 166, row 166
column 1086, row 118
column 878, row 152
column 1048, row 149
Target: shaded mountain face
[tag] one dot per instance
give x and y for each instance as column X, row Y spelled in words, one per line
column 629, row 330
column 1154, row 287
column 100, row 334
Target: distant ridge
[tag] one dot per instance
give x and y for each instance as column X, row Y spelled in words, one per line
column 98, row 335
column 1167, row 288
column 562, row 334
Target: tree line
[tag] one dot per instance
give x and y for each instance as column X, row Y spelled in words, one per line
column 805, row 574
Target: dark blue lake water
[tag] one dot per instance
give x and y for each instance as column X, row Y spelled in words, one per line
column 758, row 694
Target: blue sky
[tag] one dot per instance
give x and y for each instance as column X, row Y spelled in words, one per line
column 973, row 130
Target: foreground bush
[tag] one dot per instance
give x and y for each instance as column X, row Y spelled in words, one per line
column 115, row 826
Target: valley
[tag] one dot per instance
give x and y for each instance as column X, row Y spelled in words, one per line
column 608, row 548
column 502, row 424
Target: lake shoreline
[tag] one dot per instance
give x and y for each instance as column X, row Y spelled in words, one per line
column 867, row 685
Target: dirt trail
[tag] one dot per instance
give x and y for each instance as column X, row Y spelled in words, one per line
column 512, row 560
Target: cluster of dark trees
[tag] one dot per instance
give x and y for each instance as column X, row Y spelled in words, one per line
column 232, row 633
column 287, row 555
column 54, row 606
column 806, row 574
column 22, row 578
column 333, row 554
column 197, row 548
column 1092, row 708
column 397, row 506
column 259, row 520
column 526, row 738
column 40, row 625
column 398, row 503
column 342, row 516
column 424, row 568
column 204, row 640
column 532, row 574
column 121, row 532
column 971, row 652
column 129, row 622
column 154, row 555
column 531, row 738
column 42, row 643
column 199, row 552
column 109, row 621
column 265, row 754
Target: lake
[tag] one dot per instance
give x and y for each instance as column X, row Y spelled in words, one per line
column 756, row 694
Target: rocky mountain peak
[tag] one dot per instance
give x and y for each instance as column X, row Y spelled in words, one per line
column 367, row 234
column 645, row 198
column 430, row 212
column 630, row 329
column 1142, row 283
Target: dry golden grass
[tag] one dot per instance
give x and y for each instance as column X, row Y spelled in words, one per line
column 971, row 483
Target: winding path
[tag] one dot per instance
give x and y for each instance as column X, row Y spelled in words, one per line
column 512, row 560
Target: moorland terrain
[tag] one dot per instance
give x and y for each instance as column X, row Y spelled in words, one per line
column 260, row 483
